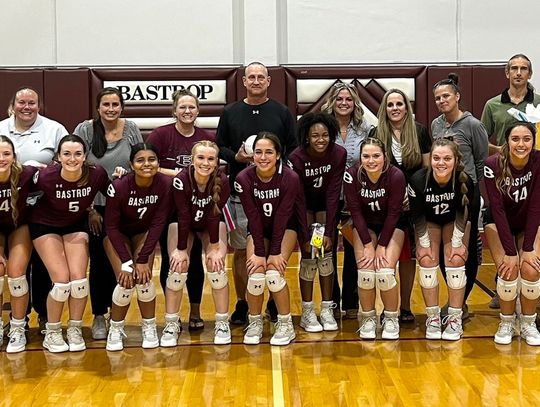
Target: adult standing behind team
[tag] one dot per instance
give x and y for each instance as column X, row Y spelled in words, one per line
column 495, row 117
column 519, row 94
column 174, row 143
column 471, row 137
column 345, row 105
column 109, row 139
column 255, row 113
column 35, row 138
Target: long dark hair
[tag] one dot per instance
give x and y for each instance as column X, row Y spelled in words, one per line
column 99, row 142
column 85, row 167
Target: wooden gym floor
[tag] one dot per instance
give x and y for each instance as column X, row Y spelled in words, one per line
column 326, row 369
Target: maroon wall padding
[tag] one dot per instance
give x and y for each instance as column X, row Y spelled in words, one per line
column 278, row 89
column 488, row 81
column 67, row 94
column 370, row 94
column 13, row 79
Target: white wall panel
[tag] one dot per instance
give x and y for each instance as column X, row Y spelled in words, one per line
column 363, row 31
column 27, row 32
column 129, row 32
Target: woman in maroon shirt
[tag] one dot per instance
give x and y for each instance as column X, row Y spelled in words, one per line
column 59, row 230
column 138, row 206
column 273, row 201
column 320, row 164
column 200, row 192
column 375, row 192
column 15, row 182
column 512, row 180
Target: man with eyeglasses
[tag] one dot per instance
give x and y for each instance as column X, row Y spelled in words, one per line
column 246, row 117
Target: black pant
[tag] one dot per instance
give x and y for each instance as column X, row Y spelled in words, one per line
column 195, row 280
column 471, row 265
column 102, row 279
column 39, row 283
column 349, row 294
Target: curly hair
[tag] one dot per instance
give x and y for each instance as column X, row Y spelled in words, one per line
column 310, row 119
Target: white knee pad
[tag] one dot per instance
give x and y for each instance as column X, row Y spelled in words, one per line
column 122, row 296
column 79, row 288
column 275, row 281
column 507, row 290
column 530, row 289
column 146, row 292
column 326, row 265
column 255, row 284
column 2, row 278
column 308, row 269
column 176, row 281
column 218, row 280
column 60, row 291
column 429, row 277
column 386, row 279
column 366, row 279
column 455, row 277
column 18, row 286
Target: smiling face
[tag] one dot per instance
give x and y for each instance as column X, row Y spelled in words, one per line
column 443, row 163
column 72, row 156
column 145, row 164
column 446, row 99
column 265, row 157
column 205, row 161
column 186, row 111
column 396, row 109
column 520, row 144
column 110, row 108
column 26, row 107
column 7, row 158
column 318, row 139
column 344, row 103
column 372, row 159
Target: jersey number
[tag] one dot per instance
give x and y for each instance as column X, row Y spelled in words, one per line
column 73, row 206
column 198, row 215
column 317, row 182
column 142, row 211
column 374, row 206
column 520, row 195
column 267, row 208
column 441, row 208
column 5, row 206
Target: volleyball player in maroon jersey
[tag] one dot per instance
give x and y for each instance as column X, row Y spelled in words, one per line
column 512, row 180
column 138, row 206
column 375, row 191
column 273, row 201
column 440, row 197
column 173, row 143
column 15, row 183
column 320, row 164
column 59, row 230
column 200, row 193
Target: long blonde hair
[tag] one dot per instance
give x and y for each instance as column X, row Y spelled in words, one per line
column 14, row 178
column 357, row 116
column 214, row 179
column 410, row 146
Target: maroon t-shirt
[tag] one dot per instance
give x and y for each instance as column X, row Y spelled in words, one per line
column 132, row 210
column 269, row 206
column 65, row 203
column 195, row 208
column 379, row 203
column 520, row 210
column 174, row 149
column 24, row 186
column 321, row 180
